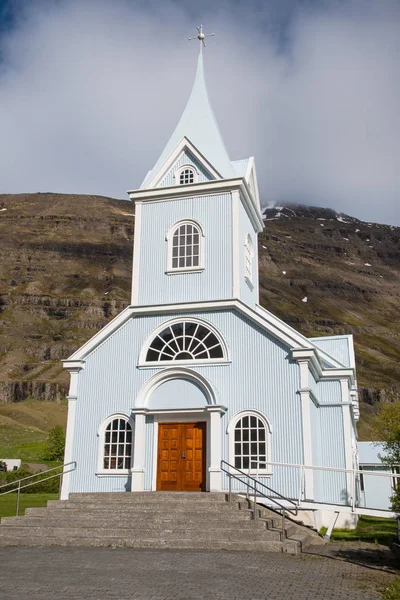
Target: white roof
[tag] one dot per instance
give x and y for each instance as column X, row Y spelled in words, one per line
column 199, row 125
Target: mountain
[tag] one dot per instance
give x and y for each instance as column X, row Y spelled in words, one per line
column 65, row 270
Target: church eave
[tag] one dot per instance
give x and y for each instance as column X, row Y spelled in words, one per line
column 199, row 189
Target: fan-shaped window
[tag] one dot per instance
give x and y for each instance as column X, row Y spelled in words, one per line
column 117, row 445
column 186, row 176
column 250, row 443
column 185, row 252
column 185, row 341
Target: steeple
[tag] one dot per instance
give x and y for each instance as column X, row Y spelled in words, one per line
column 199, row 125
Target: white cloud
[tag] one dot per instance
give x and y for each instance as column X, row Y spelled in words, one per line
column 91, row 91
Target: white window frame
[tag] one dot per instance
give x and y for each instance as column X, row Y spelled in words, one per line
column 180, row 170
column 190, row 362
column 248, row 260
column 170, row 237
column 101, row 471
column 231, row 441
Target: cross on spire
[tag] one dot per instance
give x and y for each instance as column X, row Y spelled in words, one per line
column 201, row 36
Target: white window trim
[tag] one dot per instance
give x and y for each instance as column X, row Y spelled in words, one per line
column 101, row 471
column 170, row 235
column 182, row 168
column 231, row 441
column 249, row 251
column 169, row 363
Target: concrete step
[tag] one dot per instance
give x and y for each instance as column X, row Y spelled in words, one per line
column 145, row 497
column 166, row 505
column 117, row 522
column 216, row 535
column 101, row 513
column 159, row 542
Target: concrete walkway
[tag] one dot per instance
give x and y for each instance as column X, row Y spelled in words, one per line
column 106, row 573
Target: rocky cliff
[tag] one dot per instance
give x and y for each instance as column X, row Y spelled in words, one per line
column 65, row 270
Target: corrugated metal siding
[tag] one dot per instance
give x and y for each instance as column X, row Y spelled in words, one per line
column 329, row 392
column 215, row 282
column 260, row 376
column 185, row 159
column 338, row 348
column 328, row 451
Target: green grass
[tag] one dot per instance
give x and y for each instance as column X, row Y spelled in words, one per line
column 8, row 503
column 392, row 592
column 369, row 529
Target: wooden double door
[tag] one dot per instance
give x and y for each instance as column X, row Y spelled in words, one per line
column 181, row 460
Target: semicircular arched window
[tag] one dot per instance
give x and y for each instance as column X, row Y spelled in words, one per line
column 185, row 341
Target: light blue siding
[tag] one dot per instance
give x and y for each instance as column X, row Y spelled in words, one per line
column 337, row 347
column 260, row 376
column 177, row 393
column 248, row 294
column 215, row 282
column 328, row 451
column 186, row 159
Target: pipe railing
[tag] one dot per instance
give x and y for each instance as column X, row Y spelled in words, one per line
column 351, row 485
column 254, row 484
column 17, row 483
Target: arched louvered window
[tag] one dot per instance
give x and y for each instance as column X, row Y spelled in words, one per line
column 117, row 445
column 250, row 443
column 185, row 341
column 185, row 247
column 186, row 176
column 248, row 258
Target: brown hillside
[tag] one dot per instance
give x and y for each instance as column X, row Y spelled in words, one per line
column 65, row 270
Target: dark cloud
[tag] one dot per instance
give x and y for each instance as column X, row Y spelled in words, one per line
column 91, row 91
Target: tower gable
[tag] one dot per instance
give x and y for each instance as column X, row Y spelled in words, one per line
column 185, row 153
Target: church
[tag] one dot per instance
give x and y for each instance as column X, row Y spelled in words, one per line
column 194, row 371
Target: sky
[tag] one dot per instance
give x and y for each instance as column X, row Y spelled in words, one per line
column 91, row 90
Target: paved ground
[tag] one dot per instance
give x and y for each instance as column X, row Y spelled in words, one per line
column 105, row 573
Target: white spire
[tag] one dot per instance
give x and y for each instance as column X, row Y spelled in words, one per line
column 199, row 125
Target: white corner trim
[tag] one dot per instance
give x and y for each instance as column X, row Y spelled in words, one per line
column 235, row 244
column 136, row 253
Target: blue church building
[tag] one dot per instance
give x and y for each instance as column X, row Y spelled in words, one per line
column 194, row 371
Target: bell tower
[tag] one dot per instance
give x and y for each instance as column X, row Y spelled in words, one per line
column 197, row 215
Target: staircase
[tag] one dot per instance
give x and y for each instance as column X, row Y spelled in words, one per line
column 155, row 520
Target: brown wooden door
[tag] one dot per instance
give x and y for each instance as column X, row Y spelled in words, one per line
column 181, row 457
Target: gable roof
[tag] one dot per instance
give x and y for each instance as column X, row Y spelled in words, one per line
column 199, row 125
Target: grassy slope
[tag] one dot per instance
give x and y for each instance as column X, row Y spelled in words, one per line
column 8, row 503
column 369, row 529
column 24, row 427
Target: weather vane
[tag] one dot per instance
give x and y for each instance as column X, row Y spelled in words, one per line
column 201, row 37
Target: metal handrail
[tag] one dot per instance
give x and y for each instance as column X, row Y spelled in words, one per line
column 257, row 492
column 21, row 487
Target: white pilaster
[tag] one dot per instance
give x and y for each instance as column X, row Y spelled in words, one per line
column 69, row 437
column 138, row 452
column 307, row 432
column 136, row 253
column 347, row 434
column 215, row 449
column 235, row 245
